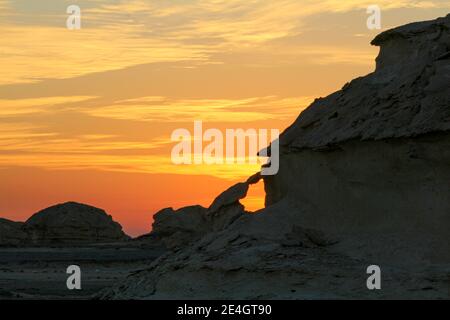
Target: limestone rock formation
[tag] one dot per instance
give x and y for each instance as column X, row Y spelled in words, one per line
column 364, row 180
column 372, row 161
column 408, row 95
column 179, row 228
column 72, row 223
column 226, row 208
column 11, row 233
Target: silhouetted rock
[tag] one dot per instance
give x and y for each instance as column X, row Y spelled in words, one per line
column 226, row 208
column 11, row 233
column 73, row 223
column 176, row 228
column 229, row 197
column 179, row 228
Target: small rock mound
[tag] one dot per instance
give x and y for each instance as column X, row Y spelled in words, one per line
column 11, row 233
column 73, row 223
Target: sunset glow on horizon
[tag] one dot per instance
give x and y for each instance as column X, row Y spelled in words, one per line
column 87, row 115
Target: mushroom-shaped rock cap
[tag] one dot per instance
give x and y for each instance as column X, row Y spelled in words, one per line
column 407, row 95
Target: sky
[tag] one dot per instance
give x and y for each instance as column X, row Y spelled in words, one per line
column 87, row 115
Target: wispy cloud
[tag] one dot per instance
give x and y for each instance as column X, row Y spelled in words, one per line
column 24, row 144
column 129, row 163
column 14, row 107
column 208, row 110
column 232, row 44
column 34, row 53
column 120, row 34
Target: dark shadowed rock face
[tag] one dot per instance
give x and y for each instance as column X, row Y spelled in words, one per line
column 179, row 228
column 176, row 228
column 73, row 223
column 11, row 233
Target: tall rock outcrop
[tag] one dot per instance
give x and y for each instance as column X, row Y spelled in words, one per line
column 373, row 160
column 72, row 223
column 364, row 180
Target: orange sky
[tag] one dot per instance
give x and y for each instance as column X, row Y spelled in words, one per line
column 86, row 115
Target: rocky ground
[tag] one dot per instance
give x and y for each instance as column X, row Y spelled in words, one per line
column 35, row 254
column 40, row 273
column 260, row 257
